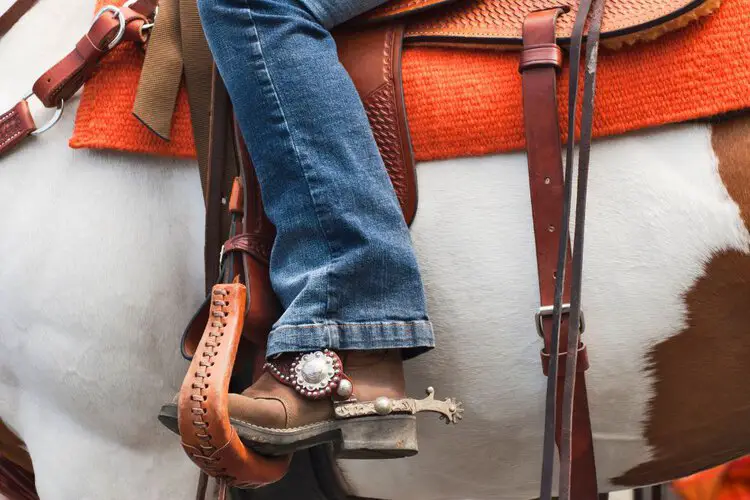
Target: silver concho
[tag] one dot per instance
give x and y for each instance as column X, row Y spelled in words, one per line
column 313, row 372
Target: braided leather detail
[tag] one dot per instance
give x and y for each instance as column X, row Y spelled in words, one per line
column 212, row 340
column 208, row 437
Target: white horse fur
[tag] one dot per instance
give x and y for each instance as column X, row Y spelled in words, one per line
column 101, row 267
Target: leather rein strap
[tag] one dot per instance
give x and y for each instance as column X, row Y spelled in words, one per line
column 560, row 319
column 11, row 16
column 110, row 27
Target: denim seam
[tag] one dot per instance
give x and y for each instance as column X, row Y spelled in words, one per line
column 389, row 324
column 413, row 337
column 277, row 98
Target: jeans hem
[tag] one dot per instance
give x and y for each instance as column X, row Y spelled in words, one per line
column 412, row 337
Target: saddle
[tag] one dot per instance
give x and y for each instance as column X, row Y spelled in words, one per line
column 370, row 48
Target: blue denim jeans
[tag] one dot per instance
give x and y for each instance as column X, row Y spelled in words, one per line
column 342, row 264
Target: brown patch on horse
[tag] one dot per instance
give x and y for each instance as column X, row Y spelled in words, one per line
column 701, row 406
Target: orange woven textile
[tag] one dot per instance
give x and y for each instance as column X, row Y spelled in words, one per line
column 463, row 103
column 727, row 482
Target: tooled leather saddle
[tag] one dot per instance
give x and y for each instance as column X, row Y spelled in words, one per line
column 370, row 48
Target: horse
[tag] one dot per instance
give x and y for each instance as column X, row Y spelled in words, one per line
column 92, row 308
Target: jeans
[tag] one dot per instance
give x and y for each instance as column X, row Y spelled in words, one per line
column 342, row 263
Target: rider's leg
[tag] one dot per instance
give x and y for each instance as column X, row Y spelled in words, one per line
column 342, row 263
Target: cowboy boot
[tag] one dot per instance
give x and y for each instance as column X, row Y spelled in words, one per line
column 356, row 402
column 301, row 400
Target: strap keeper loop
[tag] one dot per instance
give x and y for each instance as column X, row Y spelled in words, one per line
column 581, row 366
column 541, row 55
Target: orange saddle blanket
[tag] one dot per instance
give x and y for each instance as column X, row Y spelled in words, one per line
column 727, row 482
column 468, row 102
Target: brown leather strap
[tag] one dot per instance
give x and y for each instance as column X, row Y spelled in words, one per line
column 577, row 468
column 15, row 125
column 219, row 170
column 540, row 63
column 67, row 76
column 14, row 13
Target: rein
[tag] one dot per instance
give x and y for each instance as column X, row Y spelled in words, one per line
column 111, row 26
column 11, row 16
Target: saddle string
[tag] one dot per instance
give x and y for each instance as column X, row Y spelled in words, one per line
column 550, row 421
column 584, row 154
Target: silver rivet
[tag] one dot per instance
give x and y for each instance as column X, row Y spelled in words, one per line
column 383, row 405
column 345, row 389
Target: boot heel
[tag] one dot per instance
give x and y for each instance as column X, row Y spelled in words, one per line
column 394, row 436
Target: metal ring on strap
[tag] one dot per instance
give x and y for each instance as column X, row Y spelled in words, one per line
column 120, row 19
column 52, row 121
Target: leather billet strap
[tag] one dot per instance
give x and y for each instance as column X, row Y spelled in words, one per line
column 111, row 26
column 540, row 63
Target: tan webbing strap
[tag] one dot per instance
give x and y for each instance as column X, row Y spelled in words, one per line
column 198, row 64
column 161, row 74
column 177, row 46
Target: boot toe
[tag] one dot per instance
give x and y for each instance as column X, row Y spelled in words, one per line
column 262, row 411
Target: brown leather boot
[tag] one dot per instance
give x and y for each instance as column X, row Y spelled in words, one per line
column 352, row 401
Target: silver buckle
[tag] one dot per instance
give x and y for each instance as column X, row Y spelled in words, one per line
column 120, row 19
column 146, row 26
column 546, row 311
